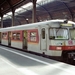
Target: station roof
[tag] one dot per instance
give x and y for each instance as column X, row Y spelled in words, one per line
column 45, row 10
column 8, row 5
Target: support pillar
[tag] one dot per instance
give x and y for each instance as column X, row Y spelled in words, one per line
column 13, row 17
column 34, row 11
column 1, row 21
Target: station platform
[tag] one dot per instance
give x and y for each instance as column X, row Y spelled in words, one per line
column 7, row 69
column 14, row 62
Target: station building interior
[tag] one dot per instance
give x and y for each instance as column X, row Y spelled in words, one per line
column 45, row 10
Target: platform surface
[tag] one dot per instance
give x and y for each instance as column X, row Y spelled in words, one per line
column 14, row 62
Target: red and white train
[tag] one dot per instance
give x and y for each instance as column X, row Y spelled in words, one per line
column 55, row 38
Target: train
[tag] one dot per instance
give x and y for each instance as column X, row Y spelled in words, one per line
column 54, row 38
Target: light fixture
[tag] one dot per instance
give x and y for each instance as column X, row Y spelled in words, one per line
column 1, row 8
column 27, row 19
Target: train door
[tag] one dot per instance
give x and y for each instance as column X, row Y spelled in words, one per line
column 9, row 38
column 25, row 40
column 0, row 37
column 43, row 39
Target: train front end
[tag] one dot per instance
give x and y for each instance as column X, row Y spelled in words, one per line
column 62, row 39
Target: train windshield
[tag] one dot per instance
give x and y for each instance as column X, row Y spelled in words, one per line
column 58, row 33
column 72, row 33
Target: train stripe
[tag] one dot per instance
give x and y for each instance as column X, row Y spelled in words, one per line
column 61, row 47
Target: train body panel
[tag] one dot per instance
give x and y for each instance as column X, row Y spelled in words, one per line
column 53, row 38
column 4, row 42
column 54, row 53
column 17, row 44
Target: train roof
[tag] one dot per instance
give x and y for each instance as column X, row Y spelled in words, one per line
column 25, row 26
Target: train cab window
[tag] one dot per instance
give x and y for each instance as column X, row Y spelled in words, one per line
column 43, row 33
column 72, row 33
column 33, row 36
column 58, row 33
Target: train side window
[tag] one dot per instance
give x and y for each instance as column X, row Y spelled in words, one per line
column 4, row 35
column 33, row 36
column 18, row 36
column 43, row 33
column 14, row 36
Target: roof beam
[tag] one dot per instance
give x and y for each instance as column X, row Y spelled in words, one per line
column 69, row 10
column 1, row 14
column 11, row 7
column 2, row 3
